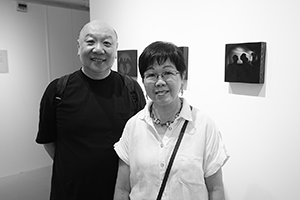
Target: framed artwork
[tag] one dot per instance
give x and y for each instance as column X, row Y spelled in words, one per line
column 185, row 51
column 245, row 62
column 127, row 62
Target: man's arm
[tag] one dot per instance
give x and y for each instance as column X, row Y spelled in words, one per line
column 50, row 148
column 122, row 188
column 215, row 187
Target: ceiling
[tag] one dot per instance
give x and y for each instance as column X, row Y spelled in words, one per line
column 72, row 4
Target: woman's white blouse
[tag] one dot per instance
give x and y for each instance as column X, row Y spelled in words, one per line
column 200, row 155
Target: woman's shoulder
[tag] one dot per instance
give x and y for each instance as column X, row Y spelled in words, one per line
column 201, row 116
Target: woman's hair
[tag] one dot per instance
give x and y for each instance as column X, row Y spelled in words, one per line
column 158, row 52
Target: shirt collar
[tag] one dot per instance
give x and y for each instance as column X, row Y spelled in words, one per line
column 185, row 113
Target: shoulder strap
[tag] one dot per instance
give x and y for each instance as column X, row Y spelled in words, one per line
column 130, row 86
column 60, row 88
column 62, row 82
column 164, row 182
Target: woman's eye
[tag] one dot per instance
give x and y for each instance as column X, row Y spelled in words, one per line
column 167, row 73
column 150, row 75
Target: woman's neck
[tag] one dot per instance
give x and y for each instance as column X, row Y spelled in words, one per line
column 167, row 112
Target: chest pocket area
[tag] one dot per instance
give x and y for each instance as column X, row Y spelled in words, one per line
column 191, row 173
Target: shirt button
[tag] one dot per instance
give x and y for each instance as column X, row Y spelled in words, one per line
column 161, row 145
column 162, row 164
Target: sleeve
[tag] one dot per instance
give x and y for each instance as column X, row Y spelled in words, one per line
column 47, row 121
column 216, row 154
column 122, row 146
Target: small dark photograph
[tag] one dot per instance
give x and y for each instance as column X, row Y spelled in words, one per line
column 127, row 62
column 245, row 62
column 185, row 51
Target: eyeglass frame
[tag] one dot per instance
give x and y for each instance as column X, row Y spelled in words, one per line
column 172, row 74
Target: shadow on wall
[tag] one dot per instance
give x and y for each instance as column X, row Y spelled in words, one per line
column 32, row 185
column 258, row 90
column 256, row 192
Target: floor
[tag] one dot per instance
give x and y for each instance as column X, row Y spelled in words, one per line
column 32, row 185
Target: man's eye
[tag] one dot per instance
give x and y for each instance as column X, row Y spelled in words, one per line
column 107, row 44
column 90, row 42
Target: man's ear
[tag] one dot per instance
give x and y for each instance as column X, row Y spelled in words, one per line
column 78, row 48
column 116, row 50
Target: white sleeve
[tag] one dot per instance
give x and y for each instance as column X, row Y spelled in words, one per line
column 216, row 154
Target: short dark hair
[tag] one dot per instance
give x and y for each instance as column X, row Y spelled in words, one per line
column 159, row 52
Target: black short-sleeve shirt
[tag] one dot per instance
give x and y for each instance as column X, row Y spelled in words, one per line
column 84, row 126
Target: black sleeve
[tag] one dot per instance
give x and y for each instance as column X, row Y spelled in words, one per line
column 47, row 121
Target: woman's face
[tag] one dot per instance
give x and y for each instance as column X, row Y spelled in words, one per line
column 162, row 83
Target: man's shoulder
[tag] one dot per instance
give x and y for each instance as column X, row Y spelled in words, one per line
column 135, row 91
column 66, row 75
column 127, row 80
column 61, row 84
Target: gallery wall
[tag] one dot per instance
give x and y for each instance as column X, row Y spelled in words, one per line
column 260, row 124
column 41, row 45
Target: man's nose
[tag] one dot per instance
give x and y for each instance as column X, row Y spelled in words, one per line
column 98, row 48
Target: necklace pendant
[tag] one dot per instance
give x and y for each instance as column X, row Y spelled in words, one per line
column 168, row 123
column 156, row 121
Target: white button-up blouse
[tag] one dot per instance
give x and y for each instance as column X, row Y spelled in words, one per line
column 200, row 155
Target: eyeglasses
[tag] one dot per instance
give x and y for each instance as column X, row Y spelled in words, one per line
column 166, row 75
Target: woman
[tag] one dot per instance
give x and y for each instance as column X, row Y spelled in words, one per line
column 149, row 137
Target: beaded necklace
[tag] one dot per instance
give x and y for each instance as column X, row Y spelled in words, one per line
column 167, row 123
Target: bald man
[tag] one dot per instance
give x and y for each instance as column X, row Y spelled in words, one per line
column 78, row 133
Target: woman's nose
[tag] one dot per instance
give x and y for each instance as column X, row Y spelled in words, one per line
column 160, row 81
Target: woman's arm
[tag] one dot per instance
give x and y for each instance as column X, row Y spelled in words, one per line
column 215, row 187
column 122, row 188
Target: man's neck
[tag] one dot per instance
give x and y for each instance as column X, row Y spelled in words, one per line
column 95, row 76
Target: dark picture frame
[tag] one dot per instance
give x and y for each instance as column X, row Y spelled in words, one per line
column 185, row 51
column 245, row 62
column 127, row 62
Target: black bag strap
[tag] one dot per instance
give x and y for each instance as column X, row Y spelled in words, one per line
column 62, row 82
column 60, row 88
column 129, row 83
column 164, row 182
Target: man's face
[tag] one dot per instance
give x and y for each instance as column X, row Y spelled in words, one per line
column 97, row 47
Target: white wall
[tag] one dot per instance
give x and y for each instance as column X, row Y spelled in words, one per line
column 64, row 26
column 260, row 123
column 32, row 41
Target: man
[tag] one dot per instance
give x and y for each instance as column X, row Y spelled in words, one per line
column 79, row 132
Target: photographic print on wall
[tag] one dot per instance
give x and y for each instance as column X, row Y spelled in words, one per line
column 185, row 51
column 245, row 62
column 127, row 62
